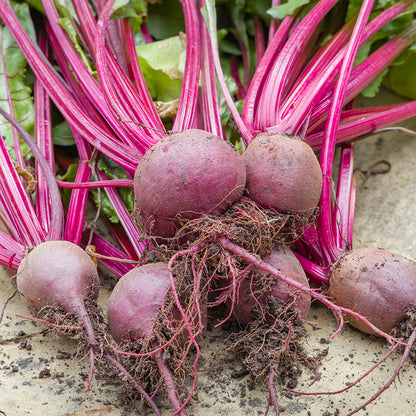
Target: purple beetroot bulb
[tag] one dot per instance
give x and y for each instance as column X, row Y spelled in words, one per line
column 135, row 301
column 283, row 173
column 57, row 273
column 186, row 174
column 283, row 259
column 377, row 284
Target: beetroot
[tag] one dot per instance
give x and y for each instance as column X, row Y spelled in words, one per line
column 135, row 301
column 377, row 284
column 283, row 173
column 282, row 259
column 60, row 281
column 58, row 273
column 146, row 322
column 186, row 174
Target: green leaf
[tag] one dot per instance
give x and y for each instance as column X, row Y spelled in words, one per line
column 111, row 169
column 259, row 8
column 402, row 78
column 353, row 9
column 163, row 64
column 69, row 176
column 70, row 173
column 165, row 19
column 286, row 9
column 374, row 87
column 62, row 135
column 223, row 107
column 135, row 10
column 36, row 4
column 240, row 24
column 12, row 79
column 101, row 200
column 66, row 9
column 363, row 53
column 120, row 3
column 68, row 25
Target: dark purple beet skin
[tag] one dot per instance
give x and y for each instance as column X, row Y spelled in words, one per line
column 283, row 173
column 281, row 259
column 188, row 173
column 135, row 301
column 57, row 273
column 377, row 284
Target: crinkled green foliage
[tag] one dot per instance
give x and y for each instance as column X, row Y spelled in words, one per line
column 259, row 8
column 165, row 19
column 13, row 85
column 241, row 25
column 135, row 10
column 113, row 171
column 68, row 25
column 62, row 135
column 66, row 9
column 286, row 9
column 402, row 78
column 363, row 53
column 232, row 134
column 223, row 107
column 162, row 64
column 69, row 176
column 391, row 29
column 35, row 4
column 355, row 5
column 374, row 87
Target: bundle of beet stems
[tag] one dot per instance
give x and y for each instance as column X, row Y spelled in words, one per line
column 248, row 231
column 55, row 276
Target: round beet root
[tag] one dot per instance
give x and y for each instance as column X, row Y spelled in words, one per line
column 377, row 284
column 135, row 301
column 57, row 273
column 283, row 173
column 282, row 259
column 186, row 174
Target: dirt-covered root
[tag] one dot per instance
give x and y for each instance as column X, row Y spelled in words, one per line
column 272, row 342
column 199, row 258
column 67, row 324
column 271, row 346
column 90, row 334
column 154, row 361
column 245, row 223
column 405, row 330
column 103, row 362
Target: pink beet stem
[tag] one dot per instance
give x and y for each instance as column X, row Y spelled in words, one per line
column 324, row 221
